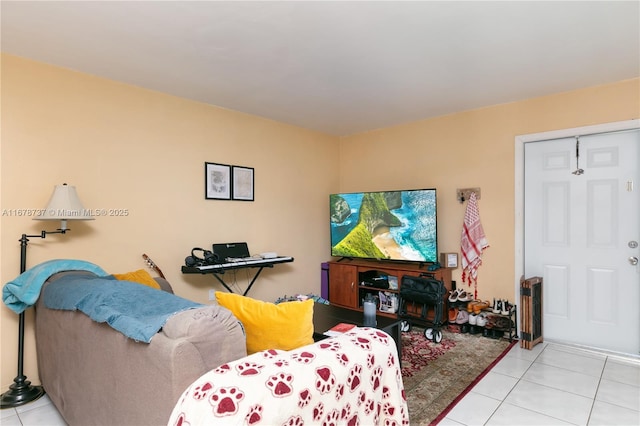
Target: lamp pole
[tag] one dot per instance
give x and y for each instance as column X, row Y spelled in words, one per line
column 64, row 205
column 21, row 391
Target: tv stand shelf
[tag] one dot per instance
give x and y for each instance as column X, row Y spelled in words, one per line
column 345, row 280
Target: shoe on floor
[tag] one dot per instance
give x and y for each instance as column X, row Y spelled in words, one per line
column 481, row 320
column 479, row 307
column 496, row 334
column 464, row 296
column 497, row 306
column 506, row 307
column 453, row 314
column 491, row 321
column 503, row 323
column 463, row 317
column 471, row 304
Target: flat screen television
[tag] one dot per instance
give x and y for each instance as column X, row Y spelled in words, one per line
column 388, row 225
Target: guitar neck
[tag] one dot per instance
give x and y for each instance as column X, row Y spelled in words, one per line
column 152, row 265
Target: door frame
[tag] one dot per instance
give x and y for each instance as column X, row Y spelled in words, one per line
column 519, row 182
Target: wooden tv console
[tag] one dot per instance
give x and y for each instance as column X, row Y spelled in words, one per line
column 346, row 277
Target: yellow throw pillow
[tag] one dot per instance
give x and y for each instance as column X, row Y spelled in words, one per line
column 285, row 326
column 140, row 276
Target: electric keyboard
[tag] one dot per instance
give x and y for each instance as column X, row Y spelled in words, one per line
column 242, row 263
column 217, row 270
column 243, row 259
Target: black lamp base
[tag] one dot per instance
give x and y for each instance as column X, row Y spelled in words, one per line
column 20, row 393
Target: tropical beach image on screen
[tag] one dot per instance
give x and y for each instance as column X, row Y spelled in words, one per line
column 393, row 225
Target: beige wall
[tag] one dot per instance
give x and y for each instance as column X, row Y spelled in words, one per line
column 125, row 147
column 476, row 149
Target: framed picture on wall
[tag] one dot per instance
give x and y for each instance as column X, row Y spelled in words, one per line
column 217, row 181
column 243, row 183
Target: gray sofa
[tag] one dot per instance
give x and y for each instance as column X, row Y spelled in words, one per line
column 96, row 376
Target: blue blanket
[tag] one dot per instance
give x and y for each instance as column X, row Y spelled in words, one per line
column 24, row 290
column 137, row 311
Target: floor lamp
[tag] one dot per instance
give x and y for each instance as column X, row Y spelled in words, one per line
column 64, row 205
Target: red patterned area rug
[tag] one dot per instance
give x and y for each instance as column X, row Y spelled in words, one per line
column 438, row 375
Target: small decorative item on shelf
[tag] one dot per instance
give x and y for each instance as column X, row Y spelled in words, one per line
column 393, row 282
column 449, row 260
column 388, row 302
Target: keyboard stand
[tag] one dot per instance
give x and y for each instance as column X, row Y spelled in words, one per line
column 217, row 275
column 218, row 270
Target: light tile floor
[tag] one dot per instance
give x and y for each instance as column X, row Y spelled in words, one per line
column 40, row 412
column 549, row 385
column 554, row 384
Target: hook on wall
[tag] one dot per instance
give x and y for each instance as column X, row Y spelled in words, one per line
column 464, row 194
column 578, row 171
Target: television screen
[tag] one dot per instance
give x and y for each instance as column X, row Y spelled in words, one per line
column 391, row 225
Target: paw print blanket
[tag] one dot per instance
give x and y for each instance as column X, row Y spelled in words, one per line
column 351, row 379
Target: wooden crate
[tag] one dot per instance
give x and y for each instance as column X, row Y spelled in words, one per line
column 531, row 312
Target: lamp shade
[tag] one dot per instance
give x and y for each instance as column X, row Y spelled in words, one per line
column 64, row 205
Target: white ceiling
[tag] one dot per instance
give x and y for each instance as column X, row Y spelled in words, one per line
column 337, row 67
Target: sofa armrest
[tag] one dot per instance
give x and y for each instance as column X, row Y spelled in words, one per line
column 79, row 358
column 212, row 329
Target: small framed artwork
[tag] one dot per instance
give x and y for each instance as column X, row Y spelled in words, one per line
column 217, row 181
column 243, row 182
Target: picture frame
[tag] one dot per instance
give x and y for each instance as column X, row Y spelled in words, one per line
column 243, row 183
column 217, row 181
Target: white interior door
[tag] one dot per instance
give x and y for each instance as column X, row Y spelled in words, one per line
column 580, row 235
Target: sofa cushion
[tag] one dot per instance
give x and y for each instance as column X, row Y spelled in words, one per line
column 164, row 284
column 140, row 276
column 285, row 326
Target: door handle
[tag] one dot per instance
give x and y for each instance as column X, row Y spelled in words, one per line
column 633, row 260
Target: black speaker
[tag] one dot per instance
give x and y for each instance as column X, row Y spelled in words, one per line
column 208, row 258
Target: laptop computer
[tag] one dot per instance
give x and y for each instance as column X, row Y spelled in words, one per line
column 231, row 251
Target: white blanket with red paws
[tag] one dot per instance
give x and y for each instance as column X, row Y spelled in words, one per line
column 351, row 379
